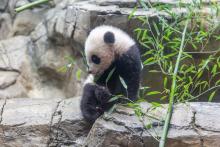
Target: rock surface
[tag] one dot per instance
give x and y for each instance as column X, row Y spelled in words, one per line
column 192, row 125
column 57, row 122
column 41, row 122
column 52, row 33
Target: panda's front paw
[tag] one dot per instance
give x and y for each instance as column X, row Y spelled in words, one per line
column 102, row 94
column 99, row 109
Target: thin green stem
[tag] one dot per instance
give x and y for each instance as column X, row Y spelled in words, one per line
column 173, row 88
column 210, row 89
column 30, row 5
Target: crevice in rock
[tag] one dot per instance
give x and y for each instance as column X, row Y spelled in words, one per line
column 4, row 86
column 10, row 69
column 2, row 110
column 5, row 52
column 34, row 40
column 55, row 113
column 196, row 129
column 1, row 119
column 56, row 127
column 74, row 26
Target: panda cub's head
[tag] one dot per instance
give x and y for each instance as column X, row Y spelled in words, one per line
column 103, row 45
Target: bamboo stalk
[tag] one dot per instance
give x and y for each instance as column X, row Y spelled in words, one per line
column 172, row 93
column 30, row 5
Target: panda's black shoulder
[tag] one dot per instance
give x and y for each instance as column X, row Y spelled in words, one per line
column 130, row 59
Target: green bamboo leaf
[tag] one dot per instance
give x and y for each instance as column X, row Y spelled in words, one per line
column 200, row 74
column 138, row 31
column 149, row 126
column 148, row 61
column 194, row 46
column 69, row 59
column 132, row 13
column 154, row 71
column 163, row 97
column 109, row 75
column 142, row 19
column 214, row 69
column 62, row 69
column 211, row 96
column 123, row 82
column 148, row 53
column 165, row 82
column 153, row 93
column 78, row 74
column 114, row 98
column 144, row 44
column 155, row 104
column 110, row 111
column 170, row 55
column 144, row 35
column 156, row 28
column 217, row 82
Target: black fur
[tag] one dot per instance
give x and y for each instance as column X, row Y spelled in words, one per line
column 109, row 38
column 94, row 101
column 128, row 66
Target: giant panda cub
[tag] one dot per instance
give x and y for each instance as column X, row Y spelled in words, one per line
column 109, row 49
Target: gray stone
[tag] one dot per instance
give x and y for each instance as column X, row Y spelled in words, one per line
column 5, row 25
column 3, row 4
column 42, row 122
column 25, row 22
column 7, row 78
column 191, row 126
column 120, row 3
column 13, row 58
column 68, row 127
column 12, row 52
column 52, row 40
column 29, row 111
column 57, row 122
column 38, row 63
column 201, row 111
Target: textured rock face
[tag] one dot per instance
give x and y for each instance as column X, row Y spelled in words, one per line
column 5, row 25
column 192, row 125
column 57, row 122
column 41, row 122
column 34, row 45
column 56, row 31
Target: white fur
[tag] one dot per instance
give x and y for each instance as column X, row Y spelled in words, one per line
column 96, row 38
column 89, row 79
column 95, row 45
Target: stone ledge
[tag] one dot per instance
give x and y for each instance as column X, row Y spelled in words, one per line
column 41, row 122
column 192, row 125
column 57, row 122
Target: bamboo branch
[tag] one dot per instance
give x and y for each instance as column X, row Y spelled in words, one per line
column 172, row 93
column 30, row 5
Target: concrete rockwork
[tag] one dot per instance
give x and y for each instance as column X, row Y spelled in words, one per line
column 36, row 42
column 57, row 122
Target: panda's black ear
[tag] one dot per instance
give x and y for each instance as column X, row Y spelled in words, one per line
column 109, row 37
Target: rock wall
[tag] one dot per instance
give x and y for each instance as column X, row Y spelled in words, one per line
column 57, row 122
column 36, row 42
column 34, row 45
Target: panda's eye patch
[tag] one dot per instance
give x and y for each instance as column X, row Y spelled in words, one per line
column 95, row 59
